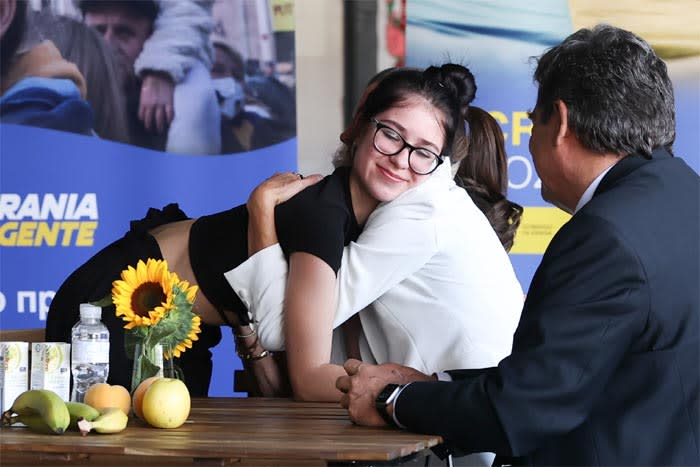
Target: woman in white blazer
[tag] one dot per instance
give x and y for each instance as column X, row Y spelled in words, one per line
column 431, row 282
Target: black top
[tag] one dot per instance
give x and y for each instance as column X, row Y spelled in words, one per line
column 319, row 220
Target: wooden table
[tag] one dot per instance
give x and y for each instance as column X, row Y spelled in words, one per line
column 223, row 431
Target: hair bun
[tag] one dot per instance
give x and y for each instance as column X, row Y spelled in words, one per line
column 457, row 78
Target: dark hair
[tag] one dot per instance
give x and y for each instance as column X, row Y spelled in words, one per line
column 450, row 88
column 483, row 173
column 617, row 91
column 236, row 58
column 83, row 46
column 11, row 40
column 138, row 8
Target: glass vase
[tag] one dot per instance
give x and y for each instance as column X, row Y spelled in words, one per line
column 152, row 362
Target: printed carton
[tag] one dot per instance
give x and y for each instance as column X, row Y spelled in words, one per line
column 51, row 367
column 14, row 372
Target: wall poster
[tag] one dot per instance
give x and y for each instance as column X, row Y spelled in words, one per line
column 70, row 183
column 497, row 40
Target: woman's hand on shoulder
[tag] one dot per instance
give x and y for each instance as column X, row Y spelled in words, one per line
column 278, row 189
column 261, row 206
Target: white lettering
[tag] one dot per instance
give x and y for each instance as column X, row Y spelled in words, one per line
column 86, row 208
column 54, row 206
column 3, row 301
column 528, row 172
column 26, row 295
column 70, row 209
column 30, row 207
column 62, row 206
column 43, row 306
column 9, row 202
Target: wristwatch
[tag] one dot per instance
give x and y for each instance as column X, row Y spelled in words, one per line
column 386, row 397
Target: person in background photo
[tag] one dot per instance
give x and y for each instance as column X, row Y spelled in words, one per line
column 241, row 129
column 605, row 363
column 166, row 54
column 38, row 87
column 84, row 47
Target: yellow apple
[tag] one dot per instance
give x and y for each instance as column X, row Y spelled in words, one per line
column 139, row 392
column 166, row 403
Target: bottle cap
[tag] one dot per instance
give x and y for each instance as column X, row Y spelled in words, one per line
column 88, row 311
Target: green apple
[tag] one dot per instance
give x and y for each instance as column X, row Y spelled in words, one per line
column 166, row 403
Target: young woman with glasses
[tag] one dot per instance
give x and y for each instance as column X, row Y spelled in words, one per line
column 424, row 108
column 431, row 281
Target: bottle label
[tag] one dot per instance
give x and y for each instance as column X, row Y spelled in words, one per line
column 90, row 352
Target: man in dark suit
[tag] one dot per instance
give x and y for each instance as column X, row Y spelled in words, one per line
column 604, row 368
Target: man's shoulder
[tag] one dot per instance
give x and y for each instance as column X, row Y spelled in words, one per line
column 644, row 212
column 654, row 187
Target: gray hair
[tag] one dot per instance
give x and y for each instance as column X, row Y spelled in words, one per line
column 617, row 91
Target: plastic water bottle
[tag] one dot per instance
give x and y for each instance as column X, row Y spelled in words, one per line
column 89, row 351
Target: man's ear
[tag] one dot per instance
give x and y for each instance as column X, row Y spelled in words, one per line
column 7, row 14
column 561, row 113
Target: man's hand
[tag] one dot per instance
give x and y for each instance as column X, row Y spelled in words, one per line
column 156, row 109
column 261, row 206
column 363, row 384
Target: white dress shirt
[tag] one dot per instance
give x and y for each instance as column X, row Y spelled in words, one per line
column 590, row 191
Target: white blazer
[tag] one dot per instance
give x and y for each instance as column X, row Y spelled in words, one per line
column 434, row 287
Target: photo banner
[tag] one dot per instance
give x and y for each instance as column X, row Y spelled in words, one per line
column 499, row 40
column 65, row 196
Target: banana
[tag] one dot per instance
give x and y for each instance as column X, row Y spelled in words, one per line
column 78, row 410
column 33, row 421
column 42, row 403
column 112, row 420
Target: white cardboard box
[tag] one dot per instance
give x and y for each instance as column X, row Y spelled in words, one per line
column 14, row 372
column 51, row 367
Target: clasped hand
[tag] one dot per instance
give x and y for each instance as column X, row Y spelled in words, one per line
column 363, row 384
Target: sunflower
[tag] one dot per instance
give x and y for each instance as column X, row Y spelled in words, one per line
column 187, row 323
column 145, row 293
column 186, row 342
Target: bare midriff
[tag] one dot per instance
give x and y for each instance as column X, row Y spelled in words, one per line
column 173, row 240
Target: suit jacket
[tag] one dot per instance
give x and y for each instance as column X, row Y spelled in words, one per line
column 604, row 368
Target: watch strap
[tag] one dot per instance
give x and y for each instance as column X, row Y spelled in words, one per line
column 387, row 396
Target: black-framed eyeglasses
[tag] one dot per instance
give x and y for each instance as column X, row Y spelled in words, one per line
column 389, row 142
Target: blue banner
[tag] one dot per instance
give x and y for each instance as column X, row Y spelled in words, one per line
column 64, row 197
column 499, row 41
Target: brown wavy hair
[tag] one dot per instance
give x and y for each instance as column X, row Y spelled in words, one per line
column 483, row 172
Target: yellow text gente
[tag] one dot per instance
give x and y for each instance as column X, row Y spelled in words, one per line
column 38, row 233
